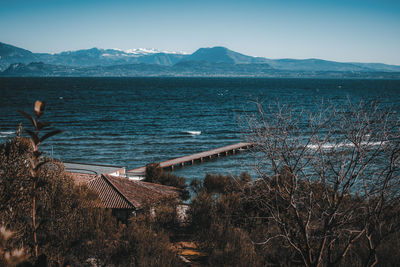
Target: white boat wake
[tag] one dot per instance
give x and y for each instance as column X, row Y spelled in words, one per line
column 193, row 132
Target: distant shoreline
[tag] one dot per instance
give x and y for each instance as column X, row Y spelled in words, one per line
column 386, row 76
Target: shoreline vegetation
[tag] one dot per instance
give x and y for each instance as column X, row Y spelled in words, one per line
column 327, row 193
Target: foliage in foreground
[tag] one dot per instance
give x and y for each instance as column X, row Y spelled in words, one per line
column 327, row 193
column 70, row 230
column 325, row 196
column 229, row 219
column 9, row 256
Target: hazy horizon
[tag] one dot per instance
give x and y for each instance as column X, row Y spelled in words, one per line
column 344, row 31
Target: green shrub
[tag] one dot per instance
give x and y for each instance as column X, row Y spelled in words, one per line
column 155, row 174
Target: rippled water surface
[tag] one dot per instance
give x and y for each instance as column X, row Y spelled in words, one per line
column 134, row 121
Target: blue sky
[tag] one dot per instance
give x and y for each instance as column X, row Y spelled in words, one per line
column 341, row 30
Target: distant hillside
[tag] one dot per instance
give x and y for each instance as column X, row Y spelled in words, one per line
column 107, row 57
column 222, row 54
column 379, row 67
column 207, row 68
column 10, row 54
column 315, row 65
column 37, row 69
column 214, row 61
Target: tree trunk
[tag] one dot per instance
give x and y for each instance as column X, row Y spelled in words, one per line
column 35, row 241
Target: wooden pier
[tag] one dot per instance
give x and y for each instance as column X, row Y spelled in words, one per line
column 198, row 157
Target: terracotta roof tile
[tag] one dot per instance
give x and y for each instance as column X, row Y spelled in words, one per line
column 121, row 193
column 140, row 193
column 109, row 195
column 81, row 178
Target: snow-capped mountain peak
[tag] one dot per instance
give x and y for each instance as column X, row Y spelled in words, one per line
column 142, row 51
column 148, row 51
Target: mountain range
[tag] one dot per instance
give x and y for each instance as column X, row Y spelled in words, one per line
column 215, row 61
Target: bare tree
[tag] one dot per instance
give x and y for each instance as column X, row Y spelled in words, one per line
column 328, row 179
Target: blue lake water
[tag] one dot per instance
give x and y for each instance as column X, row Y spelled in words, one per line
column 134, row 121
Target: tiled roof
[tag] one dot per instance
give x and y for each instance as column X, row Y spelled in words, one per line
column 110, row 197
column 141, row 193
column 80, row 178
column 122, row 193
